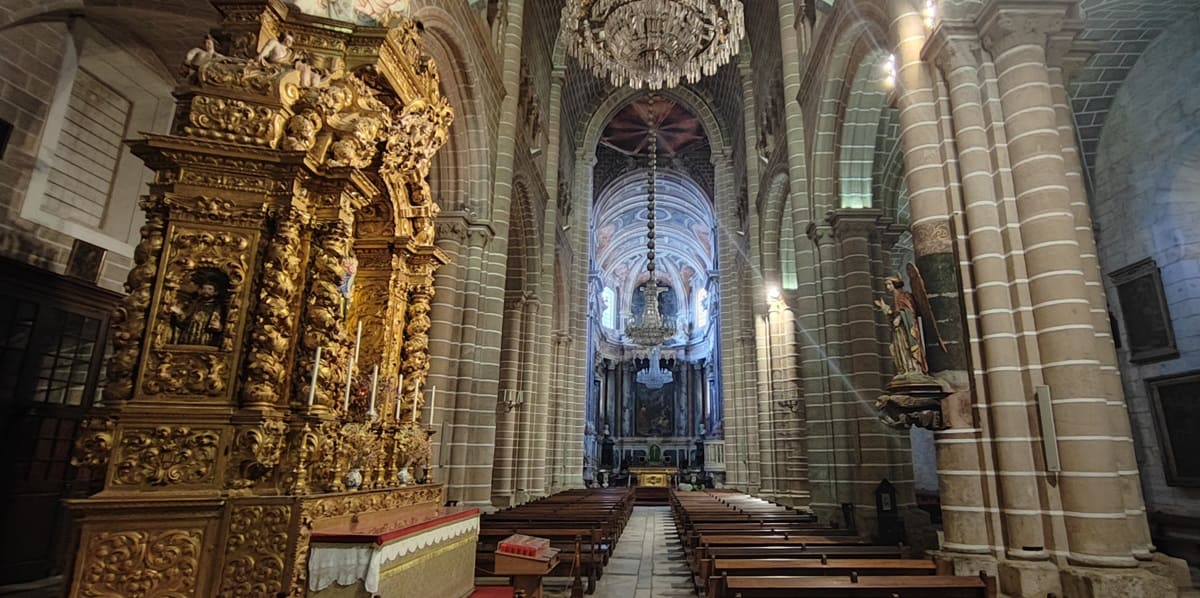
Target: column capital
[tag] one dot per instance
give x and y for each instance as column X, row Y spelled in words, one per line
column 1007, row 24
column 857, row 222
column 815, row 232
column 953, row 45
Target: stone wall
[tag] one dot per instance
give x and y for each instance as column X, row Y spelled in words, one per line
column 1145, row 204
column 31, row 61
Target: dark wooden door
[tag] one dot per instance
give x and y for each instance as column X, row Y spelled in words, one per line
column 53, row 340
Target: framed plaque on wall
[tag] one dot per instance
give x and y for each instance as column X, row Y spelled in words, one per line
column 1175, row 401
column 1144, row 311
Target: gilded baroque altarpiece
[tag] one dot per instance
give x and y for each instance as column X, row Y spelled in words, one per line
column 289, row 207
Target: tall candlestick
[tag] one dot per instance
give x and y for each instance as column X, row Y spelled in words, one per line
column 312, row 388
column 416, row 394
column 432, row 403
column 374, row 386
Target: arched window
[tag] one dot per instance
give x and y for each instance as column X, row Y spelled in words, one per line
column 88, row 182
column 608, row 318
column 701, row 308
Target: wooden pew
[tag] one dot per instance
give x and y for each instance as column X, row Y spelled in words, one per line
column 723, row 569
column 704, row 566
column 882, row 586
column 582, row 522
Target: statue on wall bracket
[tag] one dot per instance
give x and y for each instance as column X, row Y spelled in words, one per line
column 913, row 396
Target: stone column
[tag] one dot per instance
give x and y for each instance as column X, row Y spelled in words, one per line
column 1114, row 392
column 492, row 272
column 929, row 191
column 767, row 442
column 821, row 442
column 1008, row 418
column 883, row 453
column 504, row 472
column 1093, row 507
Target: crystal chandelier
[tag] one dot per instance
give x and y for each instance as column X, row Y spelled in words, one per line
column 653, row 43
column 651, row 328
column 654, row 376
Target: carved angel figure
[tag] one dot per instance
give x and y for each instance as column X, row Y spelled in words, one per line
column 278, row 51
column 197, row 57
column 907, row 314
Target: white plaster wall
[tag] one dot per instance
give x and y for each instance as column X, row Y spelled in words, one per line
column 1146, row 203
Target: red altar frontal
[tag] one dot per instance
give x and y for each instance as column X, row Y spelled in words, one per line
column 414, row 551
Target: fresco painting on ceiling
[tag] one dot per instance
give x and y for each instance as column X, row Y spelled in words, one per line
column 359, row 12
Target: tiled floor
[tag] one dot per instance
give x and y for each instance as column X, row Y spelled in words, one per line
column 648, row 561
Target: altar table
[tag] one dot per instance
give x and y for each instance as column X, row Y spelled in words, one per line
column 414, row 551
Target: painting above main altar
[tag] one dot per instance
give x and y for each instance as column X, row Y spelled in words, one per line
column 359, row 12
column 655, row 413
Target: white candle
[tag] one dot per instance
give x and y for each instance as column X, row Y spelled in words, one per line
column 357, row 342
column 312, row 388
column 374, row 386
column 416, row 395
column 350, row 368
column 432, row 403
column 349, row 377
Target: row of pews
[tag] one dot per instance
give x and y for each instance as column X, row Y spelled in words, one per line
column 739, row 546
column 584, row 524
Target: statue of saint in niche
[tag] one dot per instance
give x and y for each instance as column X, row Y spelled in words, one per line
column 199, row 319
column 908, row 314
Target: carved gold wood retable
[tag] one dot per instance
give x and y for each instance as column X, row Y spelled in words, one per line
column 289, row 208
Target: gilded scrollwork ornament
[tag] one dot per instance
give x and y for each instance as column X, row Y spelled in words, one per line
column 141, row 564
column 94, row 443
column 344, row 121
column 415, row 364
column 258, row 542
column 165, row 456
column 257, row 450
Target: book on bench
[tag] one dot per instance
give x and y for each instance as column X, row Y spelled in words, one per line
column 527, row 546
